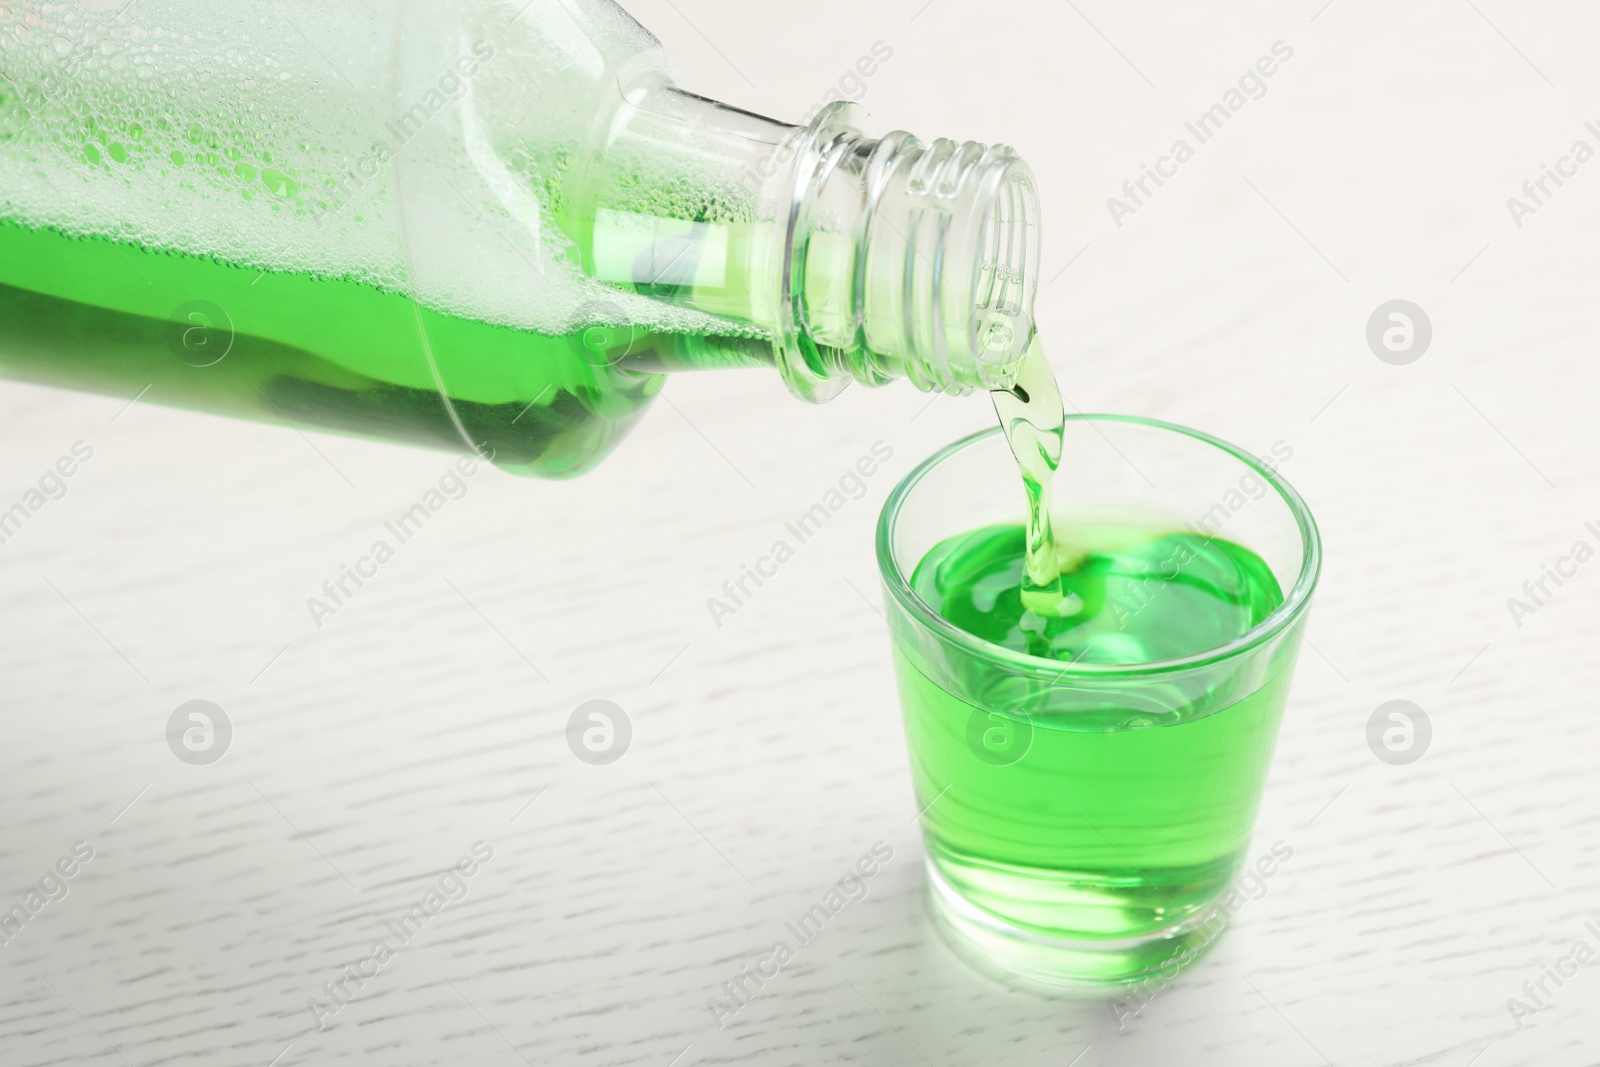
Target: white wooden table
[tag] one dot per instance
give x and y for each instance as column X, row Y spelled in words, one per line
column 368, row 756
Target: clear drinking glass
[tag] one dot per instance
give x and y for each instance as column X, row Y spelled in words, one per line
column 1083, row 821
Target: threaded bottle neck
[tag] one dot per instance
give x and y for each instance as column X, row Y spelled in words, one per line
column 834, row 255
column 906, row 259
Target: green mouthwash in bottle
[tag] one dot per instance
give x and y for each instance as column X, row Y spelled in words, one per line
column 468, row 224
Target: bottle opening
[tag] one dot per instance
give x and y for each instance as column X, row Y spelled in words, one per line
column 1007, row 278
column 907, row 259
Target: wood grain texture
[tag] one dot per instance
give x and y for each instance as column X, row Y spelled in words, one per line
column 430, row 713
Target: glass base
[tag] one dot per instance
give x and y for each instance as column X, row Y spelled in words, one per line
column 994, row 944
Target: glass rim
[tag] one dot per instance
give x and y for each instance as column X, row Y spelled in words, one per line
column 1281, row 617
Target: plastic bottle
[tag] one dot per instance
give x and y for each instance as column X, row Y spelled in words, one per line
column 468, row 224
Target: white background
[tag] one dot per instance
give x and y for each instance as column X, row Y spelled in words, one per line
column 767, row 754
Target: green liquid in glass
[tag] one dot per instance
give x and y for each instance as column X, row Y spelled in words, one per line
column 1128, row 812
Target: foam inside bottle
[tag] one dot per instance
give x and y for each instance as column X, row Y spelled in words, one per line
column 419, row 148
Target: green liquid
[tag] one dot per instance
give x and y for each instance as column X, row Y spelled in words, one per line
column 1033, row 420
column 325, row 353
column 1113, row 811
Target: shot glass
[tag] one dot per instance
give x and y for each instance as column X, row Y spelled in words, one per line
column 1083, row 821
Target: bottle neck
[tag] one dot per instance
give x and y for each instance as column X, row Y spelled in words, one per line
column 849, row 257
